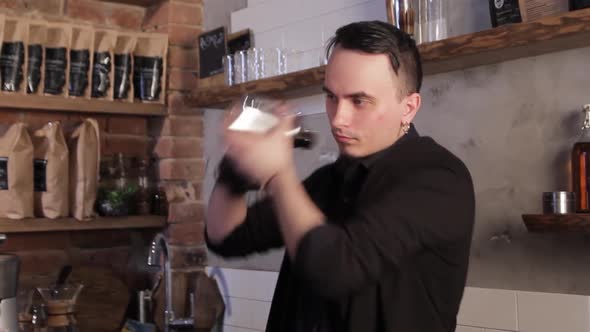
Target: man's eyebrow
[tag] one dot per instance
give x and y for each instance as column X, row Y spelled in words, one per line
column 360, row 94
column 326, row 90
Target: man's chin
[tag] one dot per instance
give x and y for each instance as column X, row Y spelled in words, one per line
column 350, row 151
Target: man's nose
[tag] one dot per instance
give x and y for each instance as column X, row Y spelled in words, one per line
column 342, row 116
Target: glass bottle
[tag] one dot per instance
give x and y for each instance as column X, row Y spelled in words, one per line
column 403, row 14
column 144, row 188
column 160, row 203
column 581, row 165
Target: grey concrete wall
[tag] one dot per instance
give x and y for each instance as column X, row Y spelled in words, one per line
column 513, row 124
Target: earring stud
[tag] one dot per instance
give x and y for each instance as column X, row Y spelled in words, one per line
column 405, row 127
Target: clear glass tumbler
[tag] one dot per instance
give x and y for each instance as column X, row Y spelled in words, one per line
column 228, row 69
column 255, row 64
column 273, row 62
column 240, row 67
column 432, row 20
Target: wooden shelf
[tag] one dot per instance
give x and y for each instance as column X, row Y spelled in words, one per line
column 79, row 105
column 544, row 223
column 71, row 224
column 297, row 84
column 550, row 34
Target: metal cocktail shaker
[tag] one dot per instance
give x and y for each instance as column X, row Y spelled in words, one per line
column 257, row 114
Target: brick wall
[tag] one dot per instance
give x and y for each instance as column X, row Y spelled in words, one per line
column 174, row 141
column 178, row 142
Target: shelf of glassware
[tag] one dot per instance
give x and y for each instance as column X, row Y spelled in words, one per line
column 549, row 34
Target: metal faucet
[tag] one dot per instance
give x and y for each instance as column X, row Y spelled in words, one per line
column 158, row 247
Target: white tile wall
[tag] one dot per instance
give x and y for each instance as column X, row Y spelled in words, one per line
column 252, row 285
column 303, row 24
column 269, row 39
column 322, row 7
column 490, row 308
column 267, row 16
column 539, row 312
column 372, row 10
column 247, row 313
column 304, row 35
column 468, row 329
column 248, row 295
column 229, row 328
column 253, row 3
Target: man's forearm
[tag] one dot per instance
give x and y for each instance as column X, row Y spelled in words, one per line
column 225, row 212
column 296, row 212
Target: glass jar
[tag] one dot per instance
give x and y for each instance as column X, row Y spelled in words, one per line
column 432, row 20
column 117, row 188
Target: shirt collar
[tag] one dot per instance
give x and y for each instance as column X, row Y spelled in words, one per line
column 345, row 162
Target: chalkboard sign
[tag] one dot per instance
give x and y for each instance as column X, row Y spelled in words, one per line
column 239, row 41
column 212, row 48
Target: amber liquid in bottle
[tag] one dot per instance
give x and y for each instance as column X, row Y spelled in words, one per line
column 581, row 166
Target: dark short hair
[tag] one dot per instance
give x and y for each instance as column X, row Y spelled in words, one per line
column 376, row 37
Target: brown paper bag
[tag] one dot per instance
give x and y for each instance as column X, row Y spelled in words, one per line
column 84, row 167
column 51, row 172
column 2, row 22
column 80, row 61
column 56, row 58
column 102, row 68
column 149, row 67
column 16, row 173
column 123, row 61
column 35, row 52
column 12, row 64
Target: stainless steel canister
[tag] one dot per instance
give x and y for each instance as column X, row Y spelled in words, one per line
column 559, row 202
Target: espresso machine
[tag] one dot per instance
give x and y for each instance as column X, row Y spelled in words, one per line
column 9, row 268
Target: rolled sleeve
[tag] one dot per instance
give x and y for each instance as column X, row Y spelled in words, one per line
column 258, row 233
column 261, row 231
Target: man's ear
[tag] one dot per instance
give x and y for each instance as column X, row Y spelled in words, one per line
column 412, row 104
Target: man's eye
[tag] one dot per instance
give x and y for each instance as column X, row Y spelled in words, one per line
column 330, row 97
column 359, row 101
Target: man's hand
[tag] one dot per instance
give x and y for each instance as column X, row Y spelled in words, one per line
column 261, row 157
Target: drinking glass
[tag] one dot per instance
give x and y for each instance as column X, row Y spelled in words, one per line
column 432, row 21
column 240, row 67
column 255, row 64
column 228, row 70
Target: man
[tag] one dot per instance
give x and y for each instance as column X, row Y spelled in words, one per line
column 377, row 241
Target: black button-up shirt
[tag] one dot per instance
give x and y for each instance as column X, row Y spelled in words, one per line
column 393, row 253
